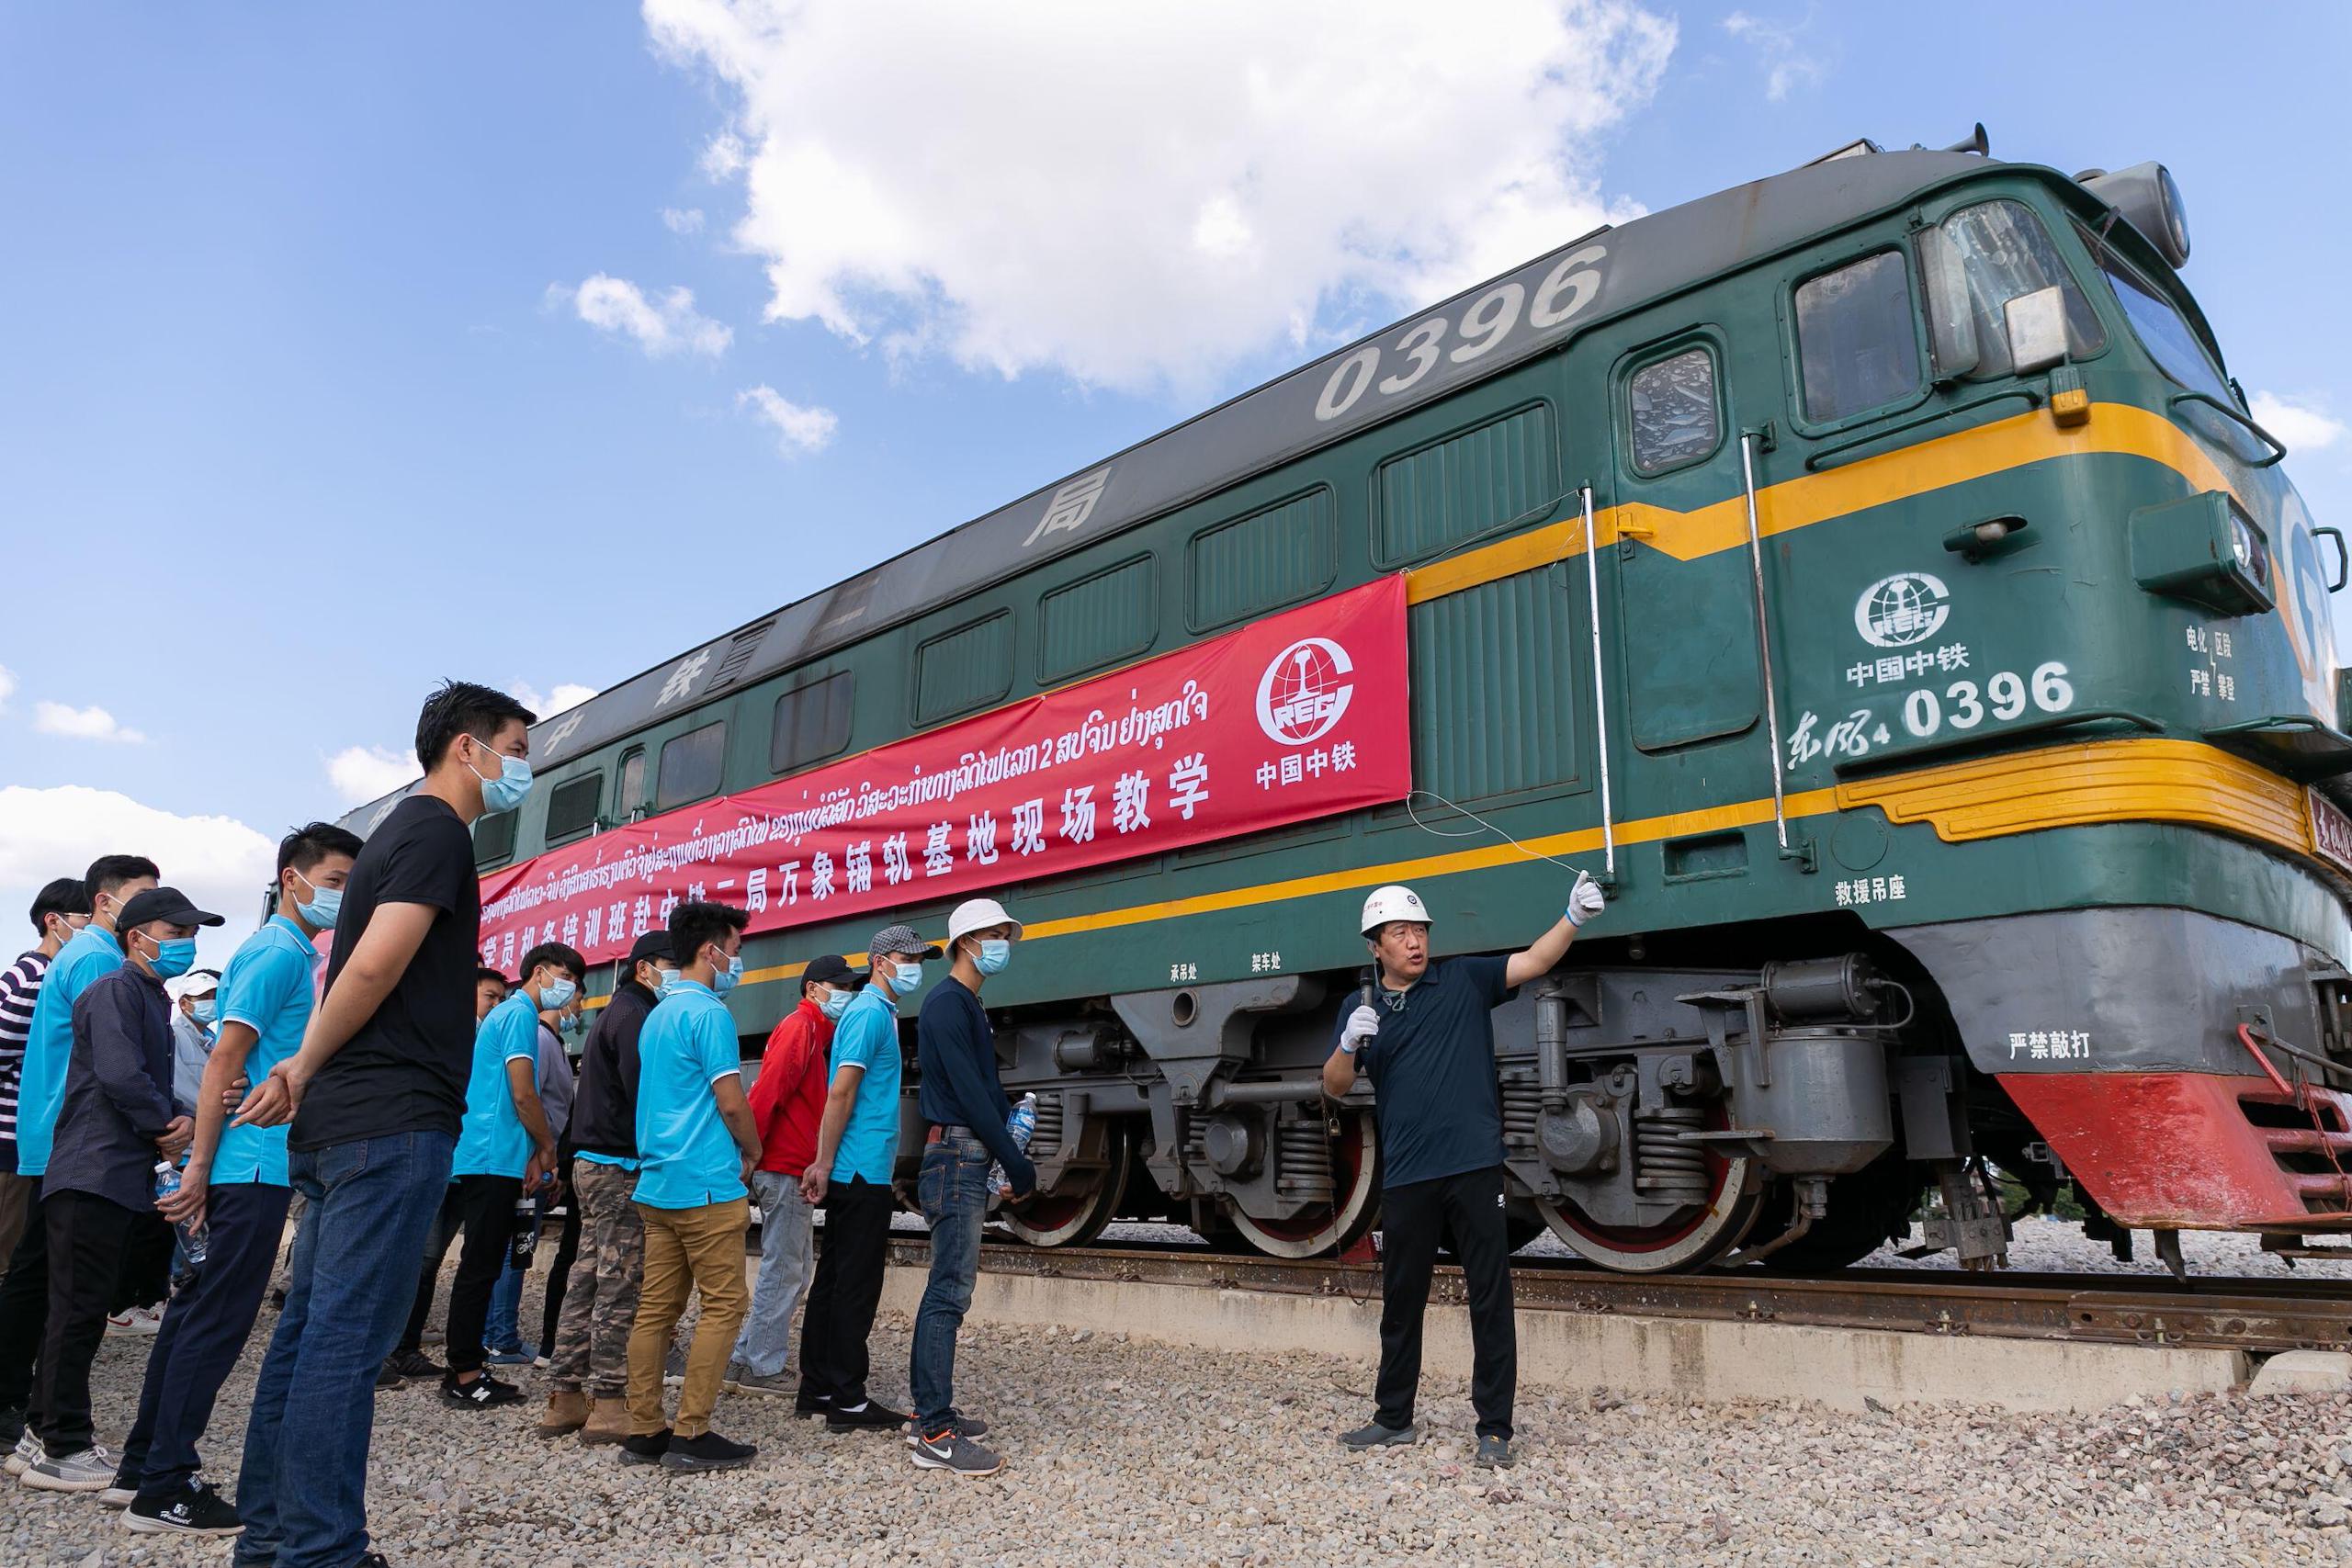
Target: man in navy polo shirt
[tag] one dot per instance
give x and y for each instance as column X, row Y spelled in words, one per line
column 236, row 1188
column 1429, row 1045
column 696, row 1146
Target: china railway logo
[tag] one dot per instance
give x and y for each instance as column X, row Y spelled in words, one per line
column 1897, row 611
column 1304, row 691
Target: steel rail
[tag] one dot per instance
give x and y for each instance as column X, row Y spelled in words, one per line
column 2240, row 1314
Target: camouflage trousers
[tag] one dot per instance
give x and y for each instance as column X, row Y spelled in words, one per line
column 600, row 1298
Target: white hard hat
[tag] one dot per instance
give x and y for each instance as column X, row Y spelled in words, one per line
column 979, row 915
column 1392, row 903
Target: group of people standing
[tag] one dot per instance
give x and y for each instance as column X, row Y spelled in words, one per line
column 401, row 1120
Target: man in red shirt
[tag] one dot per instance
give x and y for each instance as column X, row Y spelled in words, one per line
column 787, row 1104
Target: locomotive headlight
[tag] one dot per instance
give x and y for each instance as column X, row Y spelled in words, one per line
column 2149, row 198
column 2245, row 545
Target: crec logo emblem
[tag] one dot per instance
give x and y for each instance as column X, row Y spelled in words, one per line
column 1304, row 692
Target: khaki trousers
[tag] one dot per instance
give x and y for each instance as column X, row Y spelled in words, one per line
column 687, row 1250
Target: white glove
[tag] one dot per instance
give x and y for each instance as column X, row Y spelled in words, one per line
column 1362, row 1024
column 1584, row 900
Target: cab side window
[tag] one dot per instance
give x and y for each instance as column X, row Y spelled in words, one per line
column 1672, row 407
column 690, row 766
column 1857, row 347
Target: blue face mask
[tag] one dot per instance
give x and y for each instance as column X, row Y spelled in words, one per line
column 555, row 993
column 204, row 1009
column 175, row 956
column 325, row 904
column 668, row 983
column 725, row 980
column 994, row 954
column 835, row 1004
column 906, row 980
column 507, row 791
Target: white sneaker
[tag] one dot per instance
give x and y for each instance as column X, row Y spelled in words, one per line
column 25, row 1453
column 136, row 1321
column 91, row 1470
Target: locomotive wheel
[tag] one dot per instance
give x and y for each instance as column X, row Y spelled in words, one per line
column 1356, row 1186
column 1690, row 1242
column 1076, row 1213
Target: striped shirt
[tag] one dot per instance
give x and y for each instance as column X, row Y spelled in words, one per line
column 19, row 986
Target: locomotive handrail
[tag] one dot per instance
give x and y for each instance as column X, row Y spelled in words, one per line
column 2236, row 416
column 1821, row 455
column 1747, row 442
column 1599, row 692
column 1878, row 761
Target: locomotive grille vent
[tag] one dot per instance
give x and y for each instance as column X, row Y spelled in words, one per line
column 738, row 655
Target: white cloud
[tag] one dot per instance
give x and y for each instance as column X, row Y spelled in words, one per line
column 723, row 158
column 685, row 221
column 361, row 774
column 2303, row 427
column 546, row 705
column 664, row 326
column 797, row 429
column 1779, row 48
column 8, row 686
column 1150, row 194
column 219, row 862
column 82, row 724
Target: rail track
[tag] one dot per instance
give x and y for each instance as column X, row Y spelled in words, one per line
column 2240, row 1314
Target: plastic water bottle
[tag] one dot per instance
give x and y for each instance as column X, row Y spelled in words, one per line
column 1021, row 1126
column 167, row 1181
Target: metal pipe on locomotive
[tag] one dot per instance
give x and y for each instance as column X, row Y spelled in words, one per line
column 1871, row 570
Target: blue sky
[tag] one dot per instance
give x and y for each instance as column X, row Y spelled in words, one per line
column 348, row 347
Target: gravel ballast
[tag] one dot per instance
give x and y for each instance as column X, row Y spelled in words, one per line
column 1121, row 1452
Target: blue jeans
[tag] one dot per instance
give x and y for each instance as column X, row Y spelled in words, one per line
column 786, row 1221
column 953, row 1189
column 302, row 1490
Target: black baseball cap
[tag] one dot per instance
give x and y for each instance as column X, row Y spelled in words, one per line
column 830, row 969
column 654, row 945
column 166, row 904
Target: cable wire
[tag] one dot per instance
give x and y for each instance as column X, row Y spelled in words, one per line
column 1472, row 832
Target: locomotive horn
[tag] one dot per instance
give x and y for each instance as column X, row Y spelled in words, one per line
column 1974, row 142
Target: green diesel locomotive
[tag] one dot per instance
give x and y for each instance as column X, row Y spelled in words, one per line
column 1871, row 571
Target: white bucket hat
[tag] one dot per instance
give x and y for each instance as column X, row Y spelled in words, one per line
column 979, row 915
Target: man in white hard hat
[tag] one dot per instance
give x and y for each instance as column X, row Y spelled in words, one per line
column 1428, row 1041
column 963, row 1100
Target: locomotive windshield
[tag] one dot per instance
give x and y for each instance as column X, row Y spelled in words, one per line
column 1998, row 250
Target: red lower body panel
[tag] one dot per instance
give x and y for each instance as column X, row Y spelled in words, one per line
column 2194, row 1151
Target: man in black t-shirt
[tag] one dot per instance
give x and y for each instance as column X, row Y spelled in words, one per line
column 375, row 1096
column 1428, row 1041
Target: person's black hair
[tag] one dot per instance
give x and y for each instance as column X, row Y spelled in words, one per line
column 461, row 707
column 108, row 873
column 691, row 925
column 555, row 952
column 306, row 846
column 66, row 896
column 484, row 971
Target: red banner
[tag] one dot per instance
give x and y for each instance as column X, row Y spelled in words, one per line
column 1299, row 715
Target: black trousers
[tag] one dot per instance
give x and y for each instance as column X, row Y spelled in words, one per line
column 204, row 1332
column 87, row 1236
column 486, row 1215
column 428, row 1274
column 24, row 1310
column 1415, row 1219
column 845, row 1292
column 146, row 1277
column 567, row 1249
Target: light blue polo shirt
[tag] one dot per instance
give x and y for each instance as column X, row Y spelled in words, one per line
column 686, row 1156
column 867, row 1038
column 491, row 1140
column 90, row 952
column 267, row 988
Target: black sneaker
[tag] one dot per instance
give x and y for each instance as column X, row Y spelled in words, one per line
column 415, row 1364
column 480, row 1394
column 388, row 1375
column 807, row 1403
column 709, row 1451
column 868, row 1416
column 196, row 1510
column 647, row 1450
